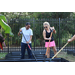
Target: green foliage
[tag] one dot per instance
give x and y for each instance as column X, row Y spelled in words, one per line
column 16, row 20
column 40, row 15
column 49, row 15
column 3, row 17
column 37, row 43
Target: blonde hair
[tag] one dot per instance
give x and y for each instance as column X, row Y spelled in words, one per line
column 46, row 23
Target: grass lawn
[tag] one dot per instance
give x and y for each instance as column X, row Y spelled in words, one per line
column 66, row 56
column 2, row 55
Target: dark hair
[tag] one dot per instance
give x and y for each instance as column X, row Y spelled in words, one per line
column 28, row 23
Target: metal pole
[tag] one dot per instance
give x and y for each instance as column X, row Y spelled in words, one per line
column 74, row 31
column 34, row 33
column 59, row 33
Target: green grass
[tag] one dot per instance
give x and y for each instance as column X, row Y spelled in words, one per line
column 2, row 55
column 66, row 56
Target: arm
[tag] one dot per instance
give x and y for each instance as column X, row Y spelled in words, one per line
column 54, row 31
column 72, row 39
column 31, row 34
column 30, row 39
column 44, row 36
column 19, row 32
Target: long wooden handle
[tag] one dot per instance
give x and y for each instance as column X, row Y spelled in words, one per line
column 49, row 43
column 50, row 37
column 59, row 51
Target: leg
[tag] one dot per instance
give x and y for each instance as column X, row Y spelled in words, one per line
column 55, row 50
column 48, row 53
column 29, row 51
column 22, row 50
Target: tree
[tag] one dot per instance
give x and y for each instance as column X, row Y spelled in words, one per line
column 61, row 14
column 10, row 15
column 40, row 15
column 50, row 15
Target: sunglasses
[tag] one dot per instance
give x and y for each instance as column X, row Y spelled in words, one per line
column 45, row 27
